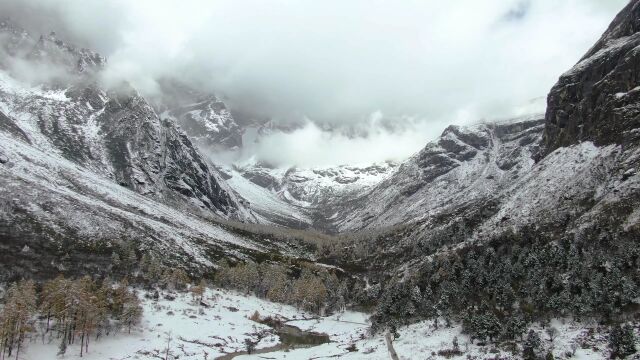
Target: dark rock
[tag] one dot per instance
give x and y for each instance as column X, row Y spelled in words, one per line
column 200, row 114
column 8, row 125
column 152, row 156
column 598, row 99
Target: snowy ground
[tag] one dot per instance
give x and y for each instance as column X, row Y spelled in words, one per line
column 199, row 332
column 220, row 329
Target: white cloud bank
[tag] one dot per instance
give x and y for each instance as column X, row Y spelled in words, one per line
column 336, row 62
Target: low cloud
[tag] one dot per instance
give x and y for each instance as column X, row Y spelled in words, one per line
column 331, row 64
column 312, row 146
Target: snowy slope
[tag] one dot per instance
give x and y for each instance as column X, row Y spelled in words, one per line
column 114, row 132
column 48, row 201
column 198, row 332
column 463, row 165
column 267, row 203
column 303, row 197
column 84, row 170
column 219, row 329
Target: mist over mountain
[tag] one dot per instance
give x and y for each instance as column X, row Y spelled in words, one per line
column 421, row 66
column 305, row 180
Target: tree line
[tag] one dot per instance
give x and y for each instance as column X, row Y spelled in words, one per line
column 301, row 283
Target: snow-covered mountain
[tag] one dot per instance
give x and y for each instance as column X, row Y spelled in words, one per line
column 463, row 165
column 203, row 116
column 565, row 172
column 572, row 175
column 85, row 169
column 303, row 197
column 490, row 227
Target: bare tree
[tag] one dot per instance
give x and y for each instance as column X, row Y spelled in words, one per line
column 168, row 348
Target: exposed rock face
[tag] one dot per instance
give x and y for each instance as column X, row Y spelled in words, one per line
column 14, row 39
column 52, row 50
column 57, row 57
column 598, row 99
column 116, row 133
column 148, row 154
column 465, row 164
column 303, row 198
column 201, row 115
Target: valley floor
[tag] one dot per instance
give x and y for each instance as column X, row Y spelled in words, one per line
column 192, row 331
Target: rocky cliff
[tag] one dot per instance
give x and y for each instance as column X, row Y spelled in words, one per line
column 85, row 170
column 203, row 116
column 597, row 100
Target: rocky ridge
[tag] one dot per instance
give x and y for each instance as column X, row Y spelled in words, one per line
column 85, row 169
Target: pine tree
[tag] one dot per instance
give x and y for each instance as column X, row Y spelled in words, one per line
column 154, row 270
column 515, row 326
column 57, row 302
column 275, row 283
column 91, row 310
column 622, row 341
column 129, row 257
column 116, row 262
column 309, row 292
column 104, row 302
column 176, row 279
column 247, row 277
column 119, row 297
column 531, row 346
column 62, row 348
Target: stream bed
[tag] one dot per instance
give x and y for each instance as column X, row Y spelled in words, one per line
column 291, row 337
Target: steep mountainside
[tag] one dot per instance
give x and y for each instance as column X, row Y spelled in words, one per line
column 116, row 133
column 597, row 100
column 85, row 170
column 475, row 184
column 465, row 165
column 201, row 115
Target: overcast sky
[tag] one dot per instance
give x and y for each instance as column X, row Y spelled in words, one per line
column 412, row 66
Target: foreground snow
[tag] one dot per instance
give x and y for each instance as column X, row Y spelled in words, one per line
column 198, row 332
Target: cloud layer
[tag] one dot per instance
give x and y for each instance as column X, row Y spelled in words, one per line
column 337, row 62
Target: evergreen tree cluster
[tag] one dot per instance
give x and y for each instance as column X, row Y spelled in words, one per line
column 622, row 342
column 498, row 288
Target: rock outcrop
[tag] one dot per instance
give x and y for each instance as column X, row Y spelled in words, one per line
column 597, row 100
column 200, row 114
